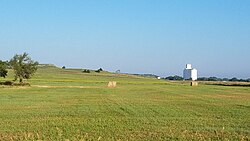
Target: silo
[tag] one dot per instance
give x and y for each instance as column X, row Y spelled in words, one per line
column 189, row 73
column 194, row 74
column 188, row 66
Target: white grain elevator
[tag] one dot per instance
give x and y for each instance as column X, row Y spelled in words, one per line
column 190, row 73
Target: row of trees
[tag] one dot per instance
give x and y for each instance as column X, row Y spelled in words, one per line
column 176, row 77
column 24, row 67
column 234, row 79
column 88, row 71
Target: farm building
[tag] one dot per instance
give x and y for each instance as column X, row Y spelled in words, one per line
column 190, row 73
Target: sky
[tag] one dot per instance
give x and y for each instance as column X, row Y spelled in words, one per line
column 134, row 36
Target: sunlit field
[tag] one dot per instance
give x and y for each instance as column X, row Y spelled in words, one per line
column 66, row 104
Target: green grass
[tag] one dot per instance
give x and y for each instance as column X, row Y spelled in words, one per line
column 137, row 109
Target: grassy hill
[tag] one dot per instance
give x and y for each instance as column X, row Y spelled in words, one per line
column 66, row 104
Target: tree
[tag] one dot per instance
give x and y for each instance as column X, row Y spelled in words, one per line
column 23, row 66
column 176, row 77
column 3, row 69
column 118, row 71
column 99, row 70
column 233, row 79
column 86, row 71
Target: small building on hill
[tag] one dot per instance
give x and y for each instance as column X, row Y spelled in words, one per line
column 190, row 73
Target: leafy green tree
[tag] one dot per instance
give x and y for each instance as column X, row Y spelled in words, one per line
column 23, row 66
column 3, row 69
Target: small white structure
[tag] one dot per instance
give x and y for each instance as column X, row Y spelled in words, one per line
column 189, row 73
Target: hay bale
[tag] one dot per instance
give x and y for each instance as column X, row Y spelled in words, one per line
column 194, row 83
column 112, row 84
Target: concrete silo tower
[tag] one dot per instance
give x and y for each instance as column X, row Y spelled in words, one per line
column 189, row 73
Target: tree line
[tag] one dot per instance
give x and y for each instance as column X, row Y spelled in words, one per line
column 234, row 79
column 23, row 66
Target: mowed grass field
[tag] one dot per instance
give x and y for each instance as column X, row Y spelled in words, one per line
column 70, row 105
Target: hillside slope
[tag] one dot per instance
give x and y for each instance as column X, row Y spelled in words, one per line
column 66, row 104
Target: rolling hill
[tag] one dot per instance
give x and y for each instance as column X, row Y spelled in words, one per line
column 67, row 104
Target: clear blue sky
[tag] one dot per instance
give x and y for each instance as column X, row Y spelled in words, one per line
column 135, row 36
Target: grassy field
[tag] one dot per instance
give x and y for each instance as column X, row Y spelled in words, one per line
column 70, row 105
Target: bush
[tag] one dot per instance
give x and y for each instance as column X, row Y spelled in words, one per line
column 22, row 84
column 11, row 83
column 7, row 83
column 99, row 70
column 3, row 68
column 176, row 77
column 86, row 71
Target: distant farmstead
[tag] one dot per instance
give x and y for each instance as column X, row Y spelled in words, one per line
column 190, row 73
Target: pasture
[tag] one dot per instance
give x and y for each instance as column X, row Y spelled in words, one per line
column 66, row 104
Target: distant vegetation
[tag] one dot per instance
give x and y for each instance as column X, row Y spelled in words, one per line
column 86, row 71
column 147, row 75
column 234, row 79
column 24, row 67
column 176, row 77
column 99, row 70
column 3, row 69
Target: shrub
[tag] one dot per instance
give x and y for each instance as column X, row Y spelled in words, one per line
column 99, row 70
column 22, row 84
column 8, row 83
column 176, row 77
column 11, row 83
column 3, row 68
column 86, row 71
